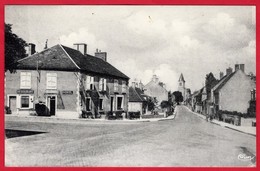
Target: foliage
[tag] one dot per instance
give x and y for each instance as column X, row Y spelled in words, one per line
column 178, row 96
column 210, row 82
column 151, row 103
column 14, row 48
column 165, row 104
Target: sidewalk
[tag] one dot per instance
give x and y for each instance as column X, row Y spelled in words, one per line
column 244, row 129
column 61, row 119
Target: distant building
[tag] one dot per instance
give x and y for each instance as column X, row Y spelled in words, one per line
column 234, row 91
column 67, row 82
column 186, row 92
column 137, row 99
column 156, row 89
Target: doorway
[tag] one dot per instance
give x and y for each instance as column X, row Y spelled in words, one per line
column 111, row 103
column 52, row 104
column 12, row 104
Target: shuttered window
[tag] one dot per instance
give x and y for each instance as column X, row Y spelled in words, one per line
column 89, row 83
column 25, row 80
column 51, row 81
column 123, row 87
column 116, row 85
column 102, row 84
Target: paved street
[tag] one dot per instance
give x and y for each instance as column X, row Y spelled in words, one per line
column 185, row 141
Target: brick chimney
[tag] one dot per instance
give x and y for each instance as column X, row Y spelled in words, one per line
column 141, row 86
column 237, row 66
column 221, row 75
column 101, row 55
column 229, row 70
column 30, row 49
column 242, row 67
column 155, row 79
column 82, row 47
column 133, row 84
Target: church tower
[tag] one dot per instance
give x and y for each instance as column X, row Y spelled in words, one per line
column 181, row 86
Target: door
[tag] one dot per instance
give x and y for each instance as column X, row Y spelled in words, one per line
column 52, row 104
column 112, row 104
column 12, row 104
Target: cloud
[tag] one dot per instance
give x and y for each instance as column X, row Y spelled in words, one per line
column 165, row 73
column 83, row 35
column 223, row 31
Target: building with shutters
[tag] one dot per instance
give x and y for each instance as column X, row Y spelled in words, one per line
column 68, row 82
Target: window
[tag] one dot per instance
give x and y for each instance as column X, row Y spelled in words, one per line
column 116, row 85
column 120, row 102
column 180, row 84
column 88, row 104
column 123, row 86
column 25, row 101
column 51, row 81
column 102, row 84
column 25, row 80
column 100, row 106
column 90, row 83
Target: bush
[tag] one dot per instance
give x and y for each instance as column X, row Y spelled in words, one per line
column 87, row 114
column 134, row 115
column 42, row 110
column 8, row 110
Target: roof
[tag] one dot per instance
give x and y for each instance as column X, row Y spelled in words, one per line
column 181, row 78
column 63, row 58
column 223, row 81
column 136, row 95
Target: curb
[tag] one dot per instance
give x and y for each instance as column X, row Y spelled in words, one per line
column 42, row 119
column 221, row 125
column 240, row 131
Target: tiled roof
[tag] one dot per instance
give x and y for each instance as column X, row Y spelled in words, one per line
column 136, row 95
column 63, row 58
column 222, row 82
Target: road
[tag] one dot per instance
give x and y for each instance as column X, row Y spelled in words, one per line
column 185, row 141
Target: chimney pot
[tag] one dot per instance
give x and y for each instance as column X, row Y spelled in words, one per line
column 229, row 70
column 237, row 66
column 30, row 49
column 82, row 47
column 221, row 75
column 101, row 55
column 242, row 67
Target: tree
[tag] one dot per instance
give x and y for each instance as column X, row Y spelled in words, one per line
column 178, row 96
column 14, row 48
column 210, row 82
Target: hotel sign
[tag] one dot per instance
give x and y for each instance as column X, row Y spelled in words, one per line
column 67, row 92
column 24, row 91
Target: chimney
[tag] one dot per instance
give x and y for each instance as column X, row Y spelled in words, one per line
column 164, row 85
column 154, row 79
column 237, row 66
column 242, row 67
column 229, row 70
column 101, row 55
column 133, row 84
column 82, row 47
column 30, row 49
column 141, row 86
column 221, row 75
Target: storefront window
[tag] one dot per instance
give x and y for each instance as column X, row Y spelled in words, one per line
column 24, row 101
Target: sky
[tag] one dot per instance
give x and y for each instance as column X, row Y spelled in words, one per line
column 145, row 40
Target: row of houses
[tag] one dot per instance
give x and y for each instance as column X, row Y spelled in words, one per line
column 68, row 82
column 233, row 92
